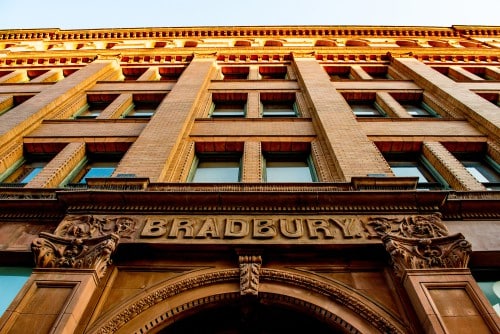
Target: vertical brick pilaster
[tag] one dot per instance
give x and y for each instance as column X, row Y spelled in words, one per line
column 359, row 73
column 353, row 154
column 179, row 170
column 252, row 162
column 450, row 168
column 253, row 105
column 477, row 110
column 29, row 114
column 6, row 102
column 117, row 107
column 49, row 76
column 391, row 106
column 323, row 169
column 150, row 74
column 10, row 155
column 170, row 124
column 254, row 73
column 14, row 77
column 59, row 167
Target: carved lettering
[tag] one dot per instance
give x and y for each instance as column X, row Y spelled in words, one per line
column 317, row 226
column 351, row 228
column 185, row 225
column 208, row 229
column 289, row 231
column 154, row 228
column 264, row 229
column 236, row 228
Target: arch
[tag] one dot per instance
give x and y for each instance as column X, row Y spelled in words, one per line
column 356, row 42
column 243, row 43
column 325, row 42
column 469, row 44
column 439, row 44
column 190, row 44
column 408, row 43
column 331, row 302
column 273, row 43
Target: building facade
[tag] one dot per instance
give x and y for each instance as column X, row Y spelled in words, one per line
column 328, row 179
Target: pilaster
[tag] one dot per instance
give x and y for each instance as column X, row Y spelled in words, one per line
column 252, row 162
column 170, row 124
column 335, row 121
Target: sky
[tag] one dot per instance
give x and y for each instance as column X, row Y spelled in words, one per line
column 86, row 14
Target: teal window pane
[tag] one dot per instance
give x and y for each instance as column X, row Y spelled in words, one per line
column 97, row 172
column 217, row 171
column 288, row 171
column 492, row 291
column 32, row 173
column 11, row 281
column 406, row 171
column 278, row 110
column 365, row 110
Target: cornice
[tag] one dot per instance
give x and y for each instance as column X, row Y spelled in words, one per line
column 55, row 34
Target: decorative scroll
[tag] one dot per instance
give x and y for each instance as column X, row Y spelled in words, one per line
column 429, row 226
column 444, row 252
column 249, row 274
column 88, row 226
column 51, row 251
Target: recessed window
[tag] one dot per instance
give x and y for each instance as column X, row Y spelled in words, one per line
column 414, row 105
column 26, row 169
column 93, row 166
column 144, row 105
column 216, row 168
column 378, row 72
column 170, row 73
column 12, row 280
column 278, row 105
column 287, row 162
column 339, row 72
column 483, row 73
column 13, row 102
column 228, row 105
column 235, row 72
column 96, row 103
column 273, row 72
column 273, row 43
column 482, row 168
column 366, row 109
column 133, row 73
column 415, row 165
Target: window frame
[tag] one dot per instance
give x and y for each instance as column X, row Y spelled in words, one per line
column 489, row 169
column 215, row 157
column 291, row 157
column 374, row 104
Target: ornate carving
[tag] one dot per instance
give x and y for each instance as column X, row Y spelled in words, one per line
column 88, row 226
column 51, row 251
column 444, row 252
column 249, row 274
column 419, row 226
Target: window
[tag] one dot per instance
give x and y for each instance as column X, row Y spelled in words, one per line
column 93, row 166
column 484, row 169
column 366, row 109
column 491, row 290
column 216, row 168
column 170, row 72
column 96, row 103
column 9, row 103
column 133, row 73
column 278, row 105
column 288, row 162
column 378, row 72
column 482, row 72
column 228, row 105
column 144, row 105
column 25, row 169
column 12, row 280
column 414, row 165
column 235, row 72
column 339, row 72
column 273, row 72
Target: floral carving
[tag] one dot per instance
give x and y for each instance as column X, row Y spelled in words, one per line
column 419, row 226
column 249, row 274
column 444, row 252
column 51, row 251
column 88, row 226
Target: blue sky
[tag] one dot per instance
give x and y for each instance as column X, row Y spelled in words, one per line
column 69, row 14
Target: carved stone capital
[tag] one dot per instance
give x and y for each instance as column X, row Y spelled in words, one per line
column 51, row 251
column 249, row 274
column 444, row 252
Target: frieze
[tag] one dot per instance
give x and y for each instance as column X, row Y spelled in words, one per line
column 241, row 229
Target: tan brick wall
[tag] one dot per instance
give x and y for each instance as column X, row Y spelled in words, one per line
column 117, row 107
column 59, row 167
column 253, row 105
column 477, row 110
column 154, row 150
column 391, row 107
column 252, row 162
column 293, row 127
column 352, row 152
column 450, row 168
column 10, row 155
column 28, row 115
